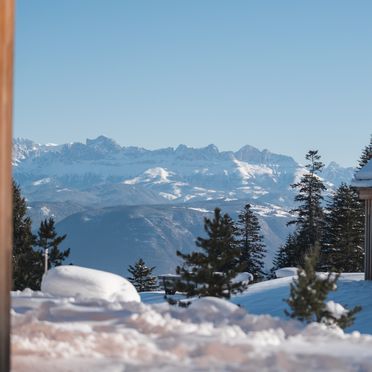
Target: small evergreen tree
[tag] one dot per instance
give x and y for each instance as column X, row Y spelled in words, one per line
column 308, row 294
column 252, row 249
column 211, row 270
column 287, row 255
column 27, row 264
column 343, row 247
column 310, row 217
column 142, row 277
column 48, row 239
column 366, row 154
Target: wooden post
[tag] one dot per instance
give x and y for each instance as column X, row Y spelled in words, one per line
column 6, row 103
column 368, row 239
column 366, row 195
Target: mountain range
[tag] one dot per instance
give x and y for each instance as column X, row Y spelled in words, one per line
column 117, row 204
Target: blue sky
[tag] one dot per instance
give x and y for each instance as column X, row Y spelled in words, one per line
column 284, row 75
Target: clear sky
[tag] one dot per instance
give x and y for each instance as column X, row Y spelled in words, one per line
column 284, row 75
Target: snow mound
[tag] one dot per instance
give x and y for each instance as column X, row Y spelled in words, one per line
column 286, row 271
column 72, row 334
column 207, row 307
column 75, row 281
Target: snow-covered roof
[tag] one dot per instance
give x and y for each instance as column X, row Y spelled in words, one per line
column 167, row 276
column 286, row 272
column 363, row 178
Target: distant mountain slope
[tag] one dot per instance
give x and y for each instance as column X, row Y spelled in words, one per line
column 114, row 237
column 38, row 211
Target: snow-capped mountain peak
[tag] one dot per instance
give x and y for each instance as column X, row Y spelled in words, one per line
column 103, row 145
column 169, row 174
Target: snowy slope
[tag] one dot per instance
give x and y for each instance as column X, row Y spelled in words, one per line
column 267, row 298
column 114, row 237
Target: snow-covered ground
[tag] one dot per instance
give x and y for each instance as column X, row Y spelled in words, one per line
column 81, row 334
column 267, row 298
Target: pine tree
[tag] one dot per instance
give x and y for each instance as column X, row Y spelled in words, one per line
column 343, row 248
column 142, row 277
column 310, row 217
column 309, row 292
column 48, row 239
column 27, row 264
column 211, row 270
column 252, row 249
column 287, row 255
column 366, row 154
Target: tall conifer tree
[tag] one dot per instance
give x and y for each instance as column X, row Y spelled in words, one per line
column 343, row 246
column 211, row 270
column 366, row 154
column 310, row 216
column 27, row 264
column 250, row 240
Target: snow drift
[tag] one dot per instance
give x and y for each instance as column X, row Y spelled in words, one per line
column 73, row 281
column 67, row 334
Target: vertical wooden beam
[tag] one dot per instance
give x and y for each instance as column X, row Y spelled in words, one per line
column 6, row 105
column 368, row 239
